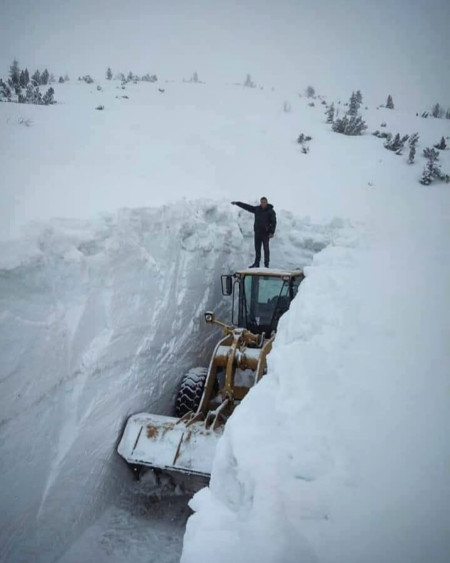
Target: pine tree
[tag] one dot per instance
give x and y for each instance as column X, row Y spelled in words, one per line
column 441, row 145
column 5, row 92
column 22, row 79
column 109, row 73
column 248, row 82
column 61, row 80
column 48, row 97
column 52, row 79
column 310, row 92
column 195, row 78
column 27, row 77
column 354, row 105
column 349, row 126
column 330, row 113
column 359, row 97
column 396, row 143
column 390, row 102
column 436, row 111
column 45, row 77
column 66, row 78
column 432, row 168
column 14, row 73
column 36, row 78
column 412, row 147
column 130, row 76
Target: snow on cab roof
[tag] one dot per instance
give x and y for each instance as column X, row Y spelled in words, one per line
column 269, row 272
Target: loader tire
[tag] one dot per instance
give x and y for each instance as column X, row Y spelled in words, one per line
column 191, row 391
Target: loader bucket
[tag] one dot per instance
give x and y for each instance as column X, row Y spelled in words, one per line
column 166, row 442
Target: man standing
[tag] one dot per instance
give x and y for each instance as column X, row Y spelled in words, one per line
column 264, row 227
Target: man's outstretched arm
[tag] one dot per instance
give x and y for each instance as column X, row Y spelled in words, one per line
column 245, row 206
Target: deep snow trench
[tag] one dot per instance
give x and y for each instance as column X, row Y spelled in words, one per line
column 99, row 320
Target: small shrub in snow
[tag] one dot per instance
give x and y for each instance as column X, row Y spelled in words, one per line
column 437, row 111
column 100, row 108
column 310, row 92
column 412, row 147
column 287, row 107
column 249, row 82
column 87, row 78
column 149, row 78
column 26, row 121
column 396, row 143
column 441, row 145
column 99, row 88
column 354, row 125
column 389, row 102
column 109, row 73
column 302, row 138
column 305, row 150
column 330, row 113
column 311, row 104
column 425, row 114
column 432, row 170
column 61, row 80
column 383, row 124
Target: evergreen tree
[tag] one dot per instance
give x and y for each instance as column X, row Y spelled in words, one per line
column 353, row 125
column 14, row 73
column 330, row 113
column 436, row 111
column 33, row 95
column 66, row 78
column 45, row 76
column 390, row 102
column 353, row 105
column 61, row 80
column 36, row 78
column 27, row 77
column 48, row 97
column 310, row 92
column 130, row 76
column 396, row 143
column 109, row 74
column 22, row 79
column 447, row 115
column 248, row 82
column 195, row 78
column 441, row 145
column 359, row 97
column 5, row 92
column 432, row 168
column 52, row 79
column 412, row 147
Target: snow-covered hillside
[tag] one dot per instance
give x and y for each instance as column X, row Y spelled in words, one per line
column 340, row 454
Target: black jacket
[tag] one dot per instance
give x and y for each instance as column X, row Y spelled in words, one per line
column 265, row 218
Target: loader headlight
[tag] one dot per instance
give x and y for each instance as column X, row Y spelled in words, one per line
column 209, row 317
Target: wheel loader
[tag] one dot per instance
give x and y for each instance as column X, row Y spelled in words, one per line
column 207, row 396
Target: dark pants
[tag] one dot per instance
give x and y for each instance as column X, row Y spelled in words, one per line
column 262, row 239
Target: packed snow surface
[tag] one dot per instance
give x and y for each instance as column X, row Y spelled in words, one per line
column 341, row 452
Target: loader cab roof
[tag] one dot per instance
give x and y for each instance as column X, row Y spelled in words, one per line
column 272, row 272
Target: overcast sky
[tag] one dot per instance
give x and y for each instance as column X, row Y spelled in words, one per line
column 380, row 47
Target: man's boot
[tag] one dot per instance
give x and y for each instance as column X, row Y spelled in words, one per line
column 254, row 265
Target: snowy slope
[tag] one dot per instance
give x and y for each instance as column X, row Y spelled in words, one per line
column 342, row 444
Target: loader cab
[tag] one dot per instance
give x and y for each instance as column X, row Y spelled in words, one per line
column 263, row 296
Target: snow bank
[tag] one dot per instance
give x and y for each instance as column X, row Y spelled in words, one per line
column 341, row 453
column 100, row 319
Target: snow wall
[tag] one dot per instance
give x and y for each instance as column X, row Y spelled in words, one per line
column 99, row 320
column 341, row 453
